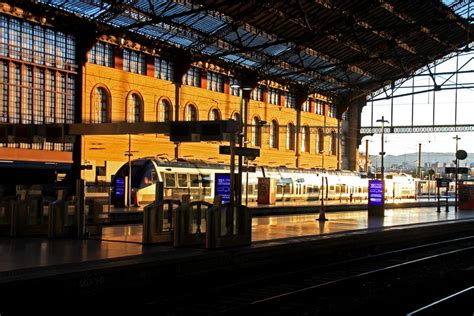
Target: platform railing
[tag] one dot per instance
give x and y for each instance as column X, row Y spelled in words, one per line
column 6, row 210
column 222, row 233
column 94, row 217
column 158, row 221
column 62, row 220
column 29, row 215
column 195, row 223
column 190, row 222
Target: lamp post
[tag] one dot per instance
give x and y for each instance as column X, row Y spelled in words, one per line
column 129, row 153
column 419, row 160
column 456, row 175
column 242, row 138
column 377, row 189
column 382, row 153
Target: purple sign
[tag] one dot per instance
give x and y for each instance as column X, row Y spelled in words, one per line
column 119, row 187
column 222, row 186
column 376, row 192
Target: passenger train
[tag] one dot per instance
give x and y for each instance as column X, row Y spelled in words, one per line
column 197, row 178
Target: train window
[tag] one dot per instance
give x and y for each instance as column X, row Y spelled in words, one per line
column 148, row 176
column 331, row 187
column 154, row 176
column 206, row 180
column 194, row 179
column 182, row 180
column 250, row 190
column 170, row 180
column 279, row 189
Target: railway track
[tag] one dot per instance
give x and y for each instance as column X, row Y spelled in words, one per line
column 334, row 287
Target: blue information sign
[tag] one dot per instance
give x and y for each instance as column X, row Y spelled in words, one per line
column 222, row 186
column 119, row 187
column 376, row 193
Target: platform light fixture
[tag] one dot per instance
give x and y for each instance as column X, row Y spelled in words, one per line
column 242, row 134
column 382, row 153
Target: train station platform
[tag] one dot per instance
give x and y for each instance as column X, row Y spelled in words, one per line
column 270, row 227
column 118, row 260
column 135, row 214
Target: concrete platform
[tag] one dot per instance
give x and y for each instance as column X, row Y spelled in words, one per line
column 117, row 215
column 72, row 266
column 265, row 228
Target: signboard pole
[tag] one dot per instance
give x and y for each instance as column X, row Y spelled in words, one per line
column 439, row 197
column 230, row 212
column 322, row 212
column 456, row 185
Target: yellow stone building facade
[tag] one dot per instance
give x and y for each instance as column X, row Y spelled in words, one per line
column 53, row 76
column 318, row 148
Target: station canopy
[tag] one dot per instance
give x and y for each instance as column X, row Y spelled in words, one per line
column 341, row 48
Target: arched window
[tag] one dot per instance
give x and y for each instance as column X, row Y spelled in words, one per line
column 191, row 113
column 134, row 108
column 290, row 137
column 333, row 146
column 274, row 133
column 163, row 112
column 100, row 106
column 236, row 117
column 256, row 132
column 215, row 115
column 305, row 139
column 320, row 140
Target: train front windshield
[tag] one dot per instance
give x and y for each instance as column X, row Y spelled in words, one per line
column 137, row 169
column 143, row 174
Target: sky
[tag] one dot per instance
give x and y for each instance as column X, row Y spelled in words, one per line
column 440, row 104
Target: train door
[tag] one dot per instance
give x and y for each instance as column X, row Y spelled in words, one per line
column 297, row 189
column 466, row 195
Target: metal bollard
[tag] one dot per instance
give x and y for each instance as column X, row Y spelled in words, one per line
column 149, row 222
column 19, row 215
column 56, row 219
column 179, row 223
column 213, row 223
column 80, row 211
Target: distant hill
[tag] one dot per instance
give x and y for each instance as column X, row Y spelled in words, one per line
column 411, row 160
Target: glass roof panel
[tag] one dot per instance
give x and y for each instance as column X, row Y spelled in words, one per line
column 202, row 23
column 88, row 9
column 197, row 20
column 241, row 60
column 275, row 50
column 463, row 8
column 122, row 21
column 250, row 39
column 150, row 30
column 179, row 40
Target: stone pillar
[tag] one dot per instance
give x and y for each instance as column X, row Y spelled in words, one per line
column 182, row 63
column 353, row 138
column 301, row 97
column 83, row 45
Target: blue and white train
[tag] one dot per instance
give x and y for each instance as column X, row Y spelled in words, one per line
column 197, row 178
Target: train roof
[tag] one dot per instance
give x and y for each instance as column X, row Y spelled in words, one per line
column 196, row 163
